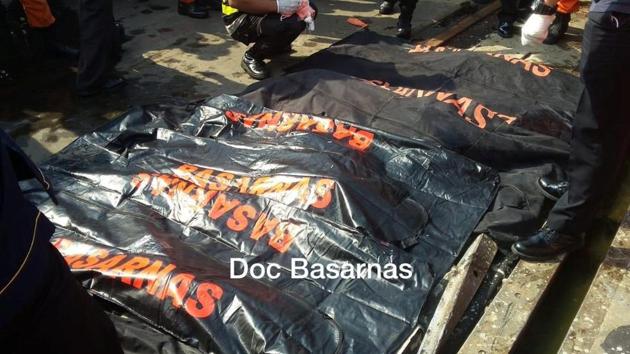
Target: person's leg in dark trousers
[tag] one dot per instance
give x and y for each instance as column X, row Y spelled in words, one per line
column 601, row 128
column 507, row 17
column 509, row 10
column 99, row 47
column 273, row 35
column 407, row 7
column 600, row 140
column 276, row 35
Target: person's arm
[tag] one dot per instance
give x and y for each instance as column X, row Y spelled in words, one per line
column 255, row 7
column 261, row 7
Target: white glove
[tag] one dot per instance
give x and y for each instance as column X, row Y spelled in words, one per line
column 310, row 23
column 288, row 7
column 306, row 13
column 536, row 29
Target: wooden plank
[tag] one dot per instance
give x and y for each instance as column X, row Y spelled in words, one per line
column 463, row 282
column 602, row 324
column 436, row 21
column 412, row 338
column 506, row 316
column 463, row 24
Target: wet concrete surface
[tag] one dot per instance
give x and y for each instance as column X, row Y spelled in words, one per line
column 171, row 58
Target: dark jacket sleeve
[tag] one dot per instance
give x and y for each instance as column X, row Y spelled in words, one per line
column 22, row 227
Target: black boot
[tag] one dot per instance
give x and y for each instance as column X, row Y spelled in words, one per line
column 558, row 28
column 386, row 8
column 256, row 68
column 552, row 189
column 403, row 30
column 546, row 245
column 505, row 29
column 197, row 9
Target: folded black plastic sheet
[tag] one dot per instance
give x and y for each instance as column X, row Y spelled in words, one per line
column 501, row 111
column 155, row 205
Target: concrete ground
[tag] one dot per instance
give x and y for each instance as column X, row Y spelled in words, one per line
column 171, row 58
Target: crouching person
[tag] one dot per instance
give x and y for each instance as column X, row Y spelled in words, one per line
column 271, row 25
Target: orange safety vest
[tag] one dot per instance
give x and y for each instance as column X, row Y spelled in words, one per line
column 38, row 13
column 568, row 6
column 226, row 9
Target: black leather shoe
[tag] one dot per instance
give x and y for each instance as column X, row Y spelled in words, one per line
column 403, row 30
column 552, row 189
column 558, row 28
column 254, row 67
column 386, row 8
column 547, row 245
column 505, row 29
column 194, row 10
column 108, row 85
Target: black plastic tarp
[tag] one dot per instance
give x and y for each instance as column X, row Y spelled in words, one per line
column 154, row 206
column 499, row 110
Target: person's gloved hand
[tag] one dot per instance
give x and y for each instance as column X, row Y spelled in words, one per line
column 288, row 7
column 306, row 13
column 536, row 29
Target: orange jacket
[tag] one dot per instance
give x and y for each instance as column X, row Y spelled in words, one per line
column 38, row 13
